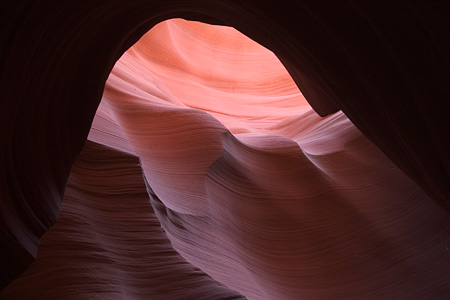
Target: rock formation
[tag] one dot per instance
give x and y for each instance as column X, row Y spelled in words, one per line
column 205, row 174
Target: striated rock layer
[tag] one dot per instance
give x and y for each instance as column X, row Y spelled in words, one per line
column 273, row 205
column 108, row 243
column 273, row 202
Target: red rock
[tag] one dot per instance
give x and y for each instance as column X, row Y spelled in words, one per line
column 274, row 202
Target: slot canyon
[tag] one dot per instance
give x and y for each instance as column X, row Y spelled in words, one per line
column 225, row 149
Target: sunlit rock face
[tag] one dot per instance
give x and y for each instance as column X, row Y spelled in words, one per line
column 203, row 133
column 186, row 95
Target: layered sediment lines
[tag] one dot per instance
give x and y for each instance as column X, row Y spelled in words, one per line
column 108, row 242
column 203, row 133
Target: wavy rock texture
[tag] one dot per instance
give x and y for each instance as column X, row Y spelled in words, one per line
column 108, row 243
column 273, row 202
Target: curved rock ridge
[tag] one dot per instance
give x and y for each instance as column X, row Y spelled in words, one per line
column 147, row 85
column 108, row 243
column 273, row 203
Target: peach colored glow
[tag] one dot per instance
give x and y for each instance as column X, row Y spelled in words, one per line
column 216, row 69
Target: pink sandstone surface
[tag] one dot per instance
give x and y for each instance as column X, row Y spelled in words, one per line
column 205, row 173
